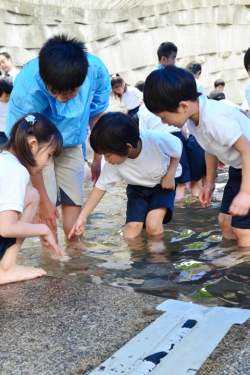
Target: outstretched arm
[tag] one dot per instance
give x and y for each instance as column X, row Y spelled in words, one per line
column 47, row 212
column 241, row 203
column 93, row 200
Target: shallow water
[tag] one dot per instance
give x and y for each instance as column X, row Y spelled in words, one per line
column 190, row 263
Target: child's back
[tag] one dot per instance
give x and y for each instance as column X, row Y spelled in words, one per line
column 5, row 91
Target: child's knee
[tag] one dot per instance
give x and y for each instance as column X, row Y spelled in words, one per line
column 32, row 195
column 224, row 220
column 153, row 228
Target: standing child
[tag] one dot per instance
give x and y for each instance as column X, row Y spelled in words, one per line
column 147, row 161
column 6, row 87
column 33, row 140
column 128, row 94
column 221, row 130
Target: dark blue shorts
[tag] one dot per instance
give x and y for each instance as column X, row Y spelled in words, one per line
column 5, row 243
column 196, row 159
column 192, row 160
column 3, row 138
column 143, row 199
column 231, row 189
column 132, row 112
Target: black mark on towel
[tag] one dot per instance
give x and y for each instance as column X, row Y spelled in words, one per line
column 156, row 357
column 190, row 323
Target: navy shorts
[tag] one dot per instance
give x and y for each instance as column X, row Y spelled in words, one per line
column 132, row 112
column 231, row 189
column 143, row 199
column 192, row 160
column 3, row 138
column 196, row 159
column 5, row 243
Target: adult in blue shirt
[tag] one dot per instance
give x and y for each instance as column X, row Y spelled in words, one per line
column 71, row 88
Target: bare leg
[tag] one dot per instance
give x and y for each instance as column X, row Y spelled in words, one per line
column 69, row 215
column 225, row 222
column 180, row 191
column 242, row 236
column 132, row 229
column 9, row 270
column 195, row 188
column 154, row 221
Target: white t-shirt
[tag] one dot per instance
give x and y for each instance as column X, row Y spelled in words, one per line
column 199, row 85
column 131, row 97
column 3, row 113
column 14, row 178
column 150, row 165
column 149, row 121
column 12, row 73
column 220, row 126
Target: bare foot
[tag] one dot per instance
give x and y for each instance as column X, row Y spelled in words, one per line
column 19, row 273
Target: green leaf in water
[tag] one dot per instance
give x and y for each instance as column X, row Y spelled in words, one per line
column 188, row 264
column 185, row 233
column 196, row 246
column 202, row 293
column 215, row 238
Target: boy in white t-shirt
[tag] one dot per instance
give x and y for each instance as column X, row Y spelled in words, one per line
column 6, row 87
column 221, row 130
column 148, row 162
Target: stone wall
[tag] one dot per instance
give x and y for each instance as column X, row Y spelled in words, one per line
column 125, row 34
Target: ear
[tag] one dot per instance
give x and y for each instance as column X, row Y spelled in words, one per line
column 130, row 147
column 32, row 142
column 183, row 106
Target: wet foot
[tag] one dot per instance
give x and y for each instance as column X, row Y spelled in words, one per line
column 20, row 273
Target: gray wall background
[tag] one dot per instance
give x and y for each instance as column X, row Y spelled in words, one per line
column 125, row 34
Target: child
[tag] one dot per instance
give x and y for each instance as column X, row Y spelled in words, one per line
column 33, row 140
column 219, row 84
column 147, row 161
column 195, row 68
column 166, row 53
column 221, row 130
column 6, row 87
column 128, row 94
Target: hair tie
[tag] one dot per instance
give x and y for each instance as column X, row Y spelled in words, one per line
column 30, row 119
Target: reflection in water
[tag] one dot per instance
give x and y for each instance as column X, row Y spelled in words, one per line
column 191, row 261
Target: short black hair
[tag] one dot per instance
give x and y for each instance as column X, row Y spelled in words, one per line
column 166, row 88
column 140, row 85
column 63, row 63
column 247, row 59
column 165, row 49
column 217, row 95
column 112, row 132
column 219, row 82
column 6, row 86
column 6, row 54
column 194, row 67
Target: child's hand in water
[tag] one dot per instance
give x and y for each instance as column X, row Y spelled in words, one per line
column 78, row 227
column 205, row 194
column 50, row 239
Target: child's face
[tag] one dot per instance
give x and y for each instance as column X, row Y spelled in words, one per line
column 221, row 87
column 42, row 156
column 64, row 97
column 119, row 89
column 169, row 60
column 177, row 118
column 4, row 98
column 114, row 159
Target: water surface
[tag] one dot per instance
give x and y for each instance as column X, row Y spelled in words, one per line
column 191, row 262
